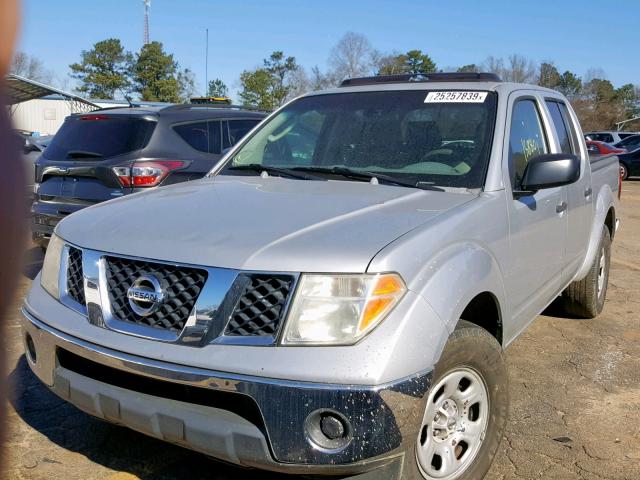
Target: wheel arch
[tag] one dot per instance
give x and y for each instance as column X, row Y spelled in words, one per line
column 604, row 215
column 465, row 282
column 484, row 311
column 610, row 221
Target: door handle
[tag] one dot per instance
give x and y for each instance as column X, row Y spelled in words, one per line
column 588, row 192
column 561, row 207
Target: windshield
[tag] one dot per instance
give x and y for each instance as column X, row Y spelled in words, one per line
column 394, row 133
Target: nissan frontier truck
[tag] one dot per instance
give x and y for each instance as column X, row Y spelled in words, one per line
column 334, row 298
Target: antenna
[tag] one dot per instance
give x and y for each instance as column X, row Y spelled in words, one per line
column 147, row 4
column 206, row 66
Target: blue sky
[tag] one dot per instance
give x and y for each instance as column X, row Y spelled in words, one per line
column 576, row 34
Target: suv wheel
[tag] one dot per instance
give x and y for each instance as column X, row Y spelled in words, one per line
column 466, row 410
column 624, row 173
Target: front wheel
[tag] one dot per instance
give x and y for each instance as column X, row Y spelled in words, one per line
column 466, row 410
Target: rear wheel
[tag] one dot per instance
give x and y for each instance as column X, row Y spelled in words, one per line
column 624, row 173
column 585, row 298
column 466, row 410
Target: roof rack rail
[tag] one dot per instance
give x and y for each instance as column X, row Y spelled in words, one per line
column 422, row 77
column 209, row 106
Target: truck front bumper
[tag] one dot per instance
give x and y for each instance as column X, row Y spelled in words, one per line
column 250, row 421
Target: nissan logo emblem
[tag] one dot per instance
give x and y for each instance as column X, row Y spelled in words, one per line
column 145, row 295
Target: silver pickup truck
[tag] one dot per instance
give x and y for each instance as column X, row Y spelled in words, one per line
column 335, row 297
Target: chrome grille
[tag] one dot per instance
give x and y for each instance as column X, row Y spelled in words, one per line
column 259, row 310
column 182, row 286
column 75, row 277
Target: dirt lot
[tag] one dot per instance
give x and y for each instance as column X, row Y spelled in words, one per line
column 575, row 390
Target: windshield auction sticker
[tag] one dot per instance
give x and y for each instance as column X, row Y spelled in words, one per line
column 455, row 97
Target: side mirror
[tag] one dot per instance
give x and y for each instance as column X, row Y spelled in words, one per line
column 550, row 170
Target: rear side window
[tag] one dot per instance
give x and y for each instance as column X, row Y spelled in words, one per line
column 575, row 139
column 202, row 136
column 236, row 130
column 526, row 138
column 96, row 135
column 561, row 128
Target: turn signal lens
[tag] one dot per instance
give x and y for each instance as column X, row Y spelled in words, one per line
column 340, row 309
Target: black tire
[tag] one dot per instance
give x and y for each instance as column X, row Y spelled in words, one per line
column 624, row 171
column 582, row 298
column 474, row 348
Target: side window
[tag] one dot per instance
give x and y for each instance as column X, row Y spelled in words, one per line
column 237, row 130
column 215, row 137
column 526, row 139
column 575, row 139
column 559, row 124
column 195, row 134
column 607, row 138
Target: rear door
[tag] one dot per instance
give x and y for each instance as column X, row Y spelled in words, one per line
column 77, row 165
column 538, row 221
column 203, row 136
column 580, row 193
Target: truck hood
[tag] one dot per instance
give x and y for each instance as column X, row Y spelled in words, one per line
column 255, row 223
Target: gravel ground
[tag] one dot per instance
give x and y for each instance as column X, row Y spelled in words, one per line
column 575, row 401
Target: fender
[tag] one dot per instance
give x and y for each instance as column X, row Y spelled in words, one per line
column 604, row 201
column 455, row 276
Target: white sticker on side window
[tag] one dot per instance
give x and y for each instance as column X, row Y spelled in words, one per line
column 455, row 97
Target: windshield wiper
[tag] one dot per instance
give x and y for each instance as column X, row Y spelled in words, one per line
column 256, row 167
column 83, row 154
column 368, row 176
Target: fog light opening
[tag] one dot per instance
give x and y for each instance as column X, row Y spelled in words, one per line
column 30, row 348
column 328, row 430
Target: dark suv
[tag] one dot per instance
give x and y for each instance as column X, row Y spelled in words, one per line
column 114, row 152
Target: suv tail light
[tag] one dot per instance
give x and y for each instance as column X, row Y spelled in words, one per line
column 146, row 174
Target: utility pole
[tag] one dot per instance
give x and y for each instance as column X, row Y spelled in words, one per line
column 206, row 67
column 147, row 4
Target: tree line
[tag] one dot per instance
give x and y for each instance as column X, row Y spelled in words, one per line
column 598, row 103
column 107, row 70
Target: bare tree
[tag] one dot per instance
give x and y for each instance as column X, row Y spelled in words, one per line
column 298, row 82
column 520, row 70
column 320, row 81
column 385, row 62
column 516, row 69
column 352, row 56
column 493, row 65
column 30, row 67
column 594, row 73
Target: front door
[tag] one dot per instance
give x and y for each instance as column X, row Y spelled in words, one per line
column 538, row 221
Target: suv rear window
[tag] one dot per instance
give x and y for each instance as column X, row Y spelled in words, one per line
column 96, row 135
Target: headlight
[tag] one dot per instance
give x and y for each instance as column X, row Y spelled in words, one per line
column 340, row 309
column 51, row 266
